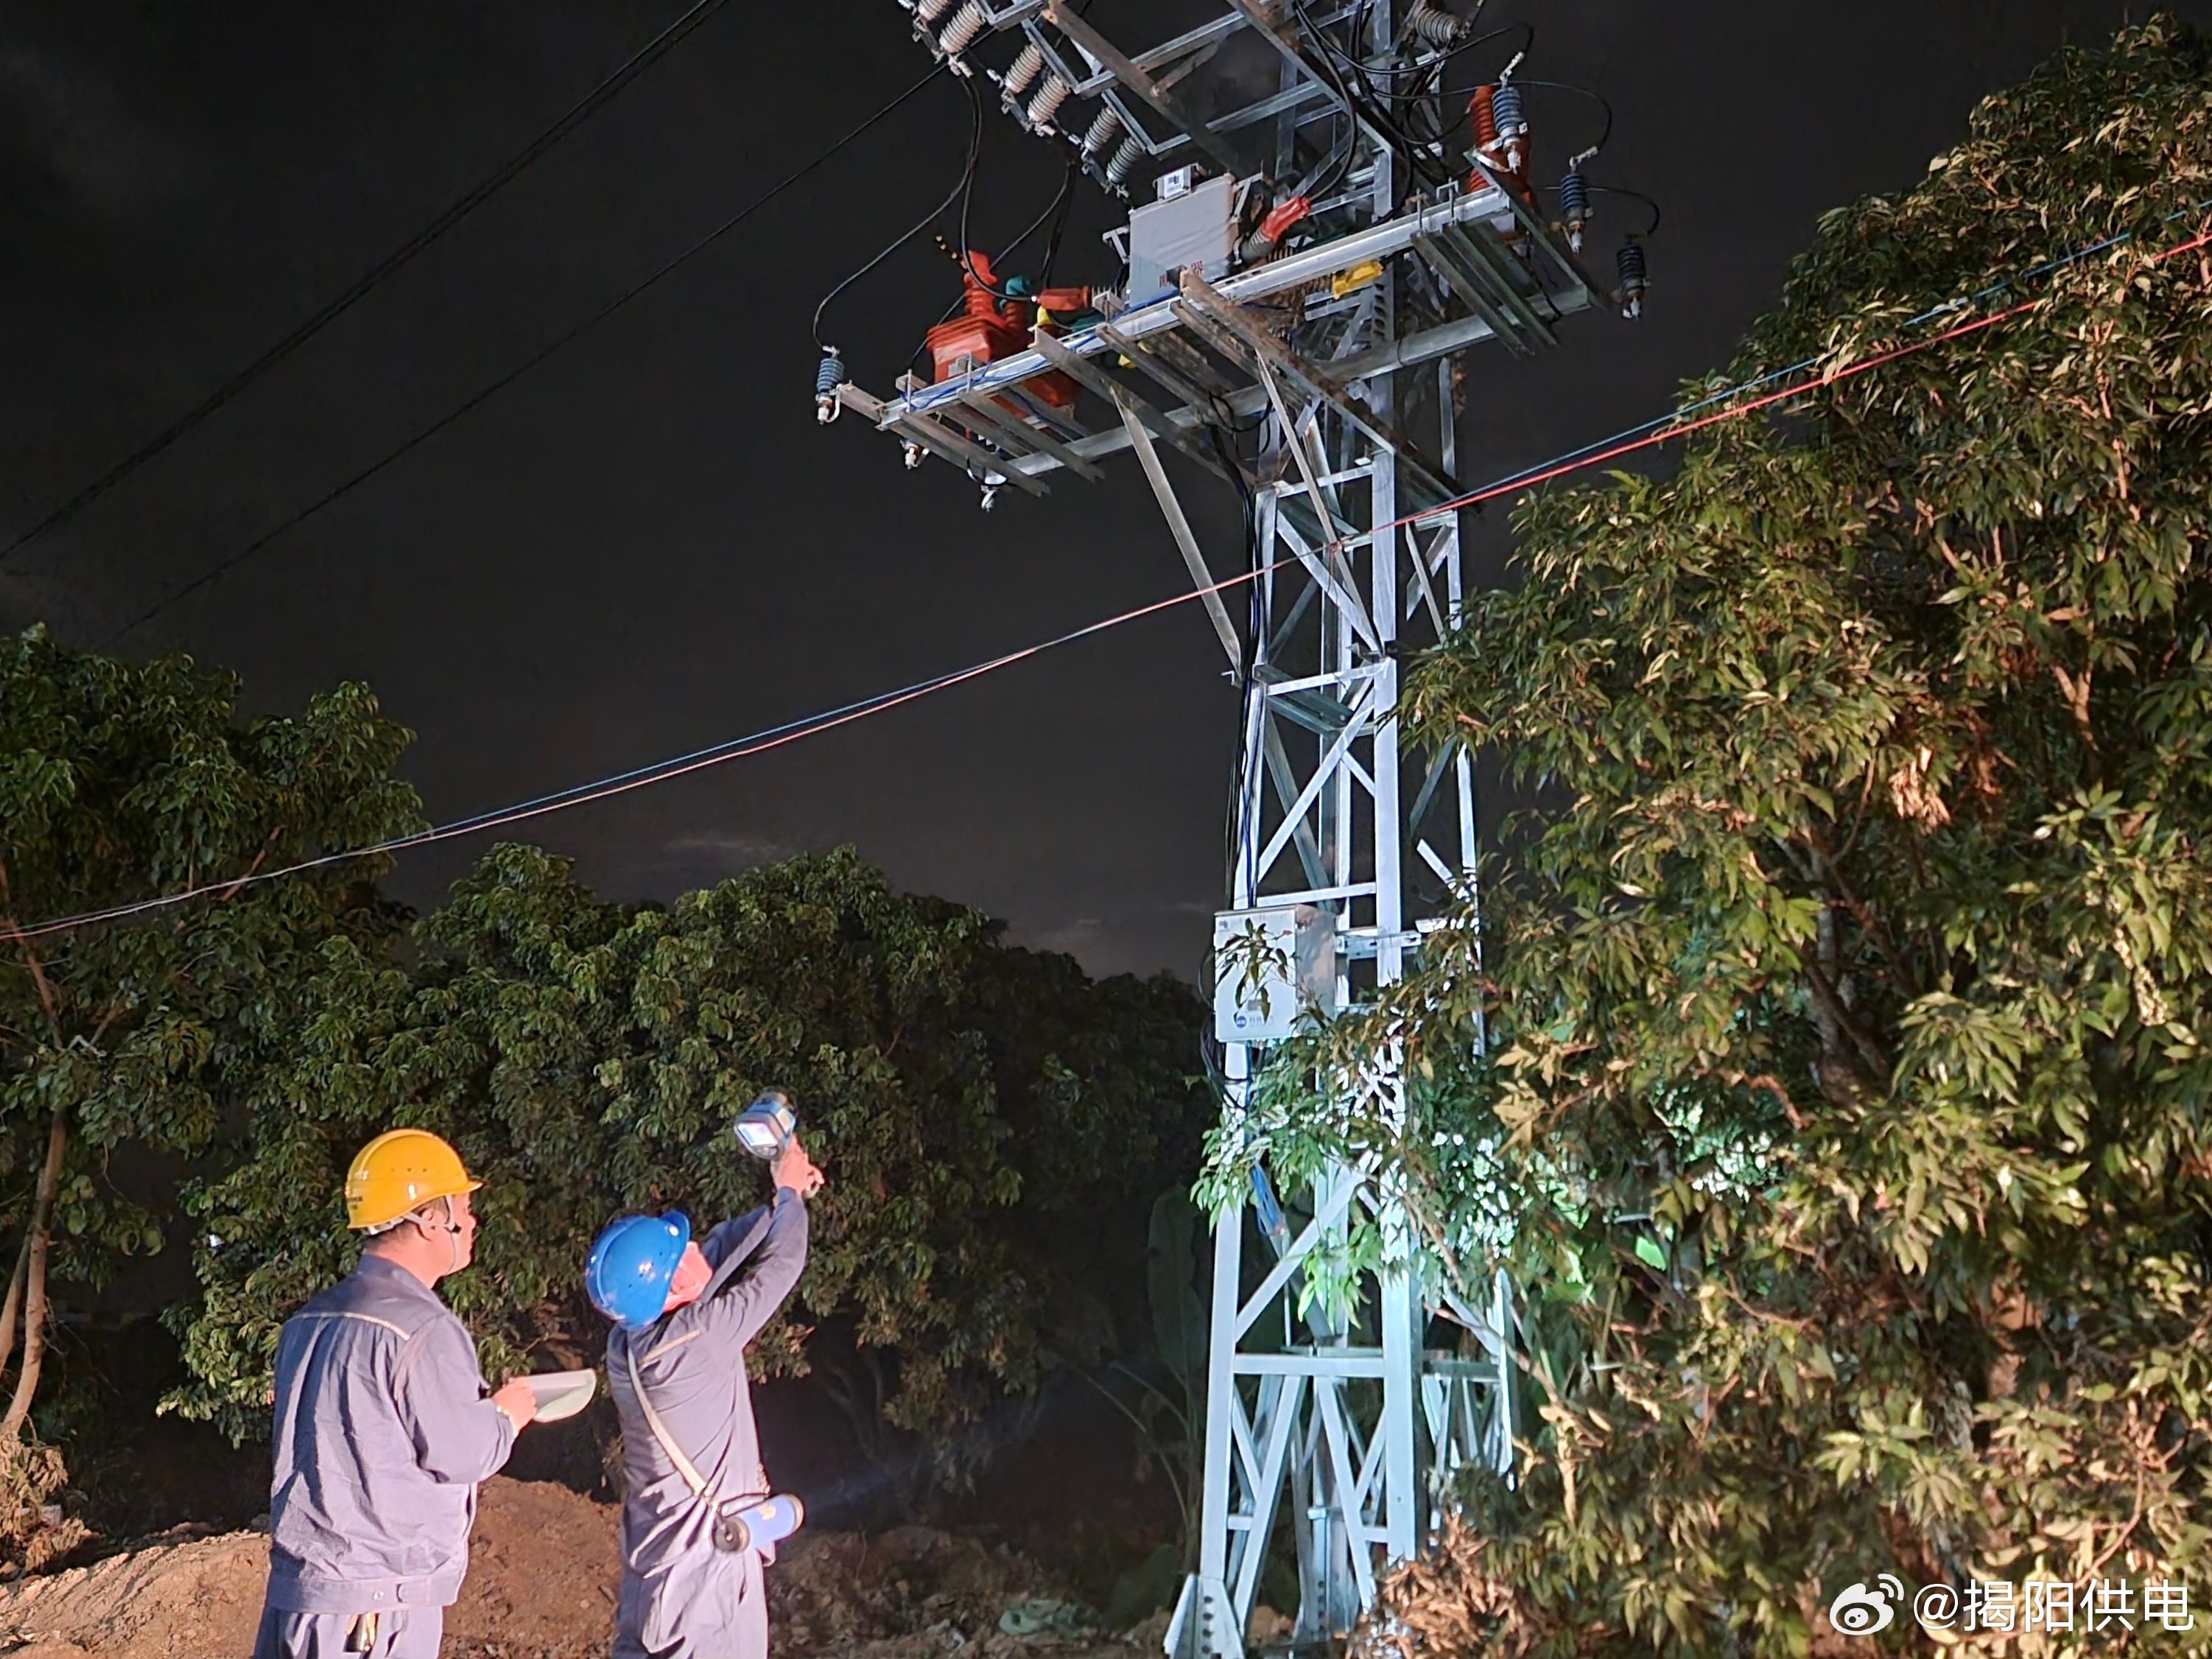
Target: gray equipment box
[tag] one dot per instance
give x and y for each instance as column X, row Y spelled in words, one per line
column 1196, row 227
column 1270, row 965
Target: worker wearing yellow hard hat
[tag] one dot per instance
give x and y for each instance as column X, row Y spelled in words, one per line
column 384, row 1425
column 399, row 1172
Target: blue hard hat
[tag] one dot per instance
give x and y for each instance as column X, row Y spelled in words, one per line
column 628, row 1273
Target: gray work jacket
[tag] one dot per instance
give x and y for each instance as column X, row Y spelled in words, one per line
column 382, row 1433
column 692, row 1362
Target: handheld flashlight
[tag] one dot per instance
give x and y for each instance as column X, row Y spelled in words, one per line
column 768, row 1521
column 766, row 1127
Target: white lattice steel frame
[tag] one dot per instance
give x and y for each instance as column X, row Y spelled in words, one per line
column 1339, row 1440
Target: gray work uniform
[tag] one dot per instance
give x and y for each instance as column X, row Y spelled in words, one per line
column 681, row 1597
column 382, row 1433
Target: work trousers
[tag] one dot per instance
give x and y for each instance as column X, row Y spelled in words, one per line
column 704, row 1605
column 403, row 1633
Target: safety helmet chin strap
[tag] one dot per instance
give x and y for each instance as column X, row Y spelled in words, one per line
column 421, row 1218
column 452, row 1235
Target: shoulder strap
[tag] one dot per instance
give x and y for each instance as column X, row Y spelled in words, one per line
column 666, row 1441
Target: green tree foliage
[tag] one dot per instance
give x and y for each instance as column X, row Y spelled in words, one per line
column 992, row 1122
column 1845, row 1110
column 118, row 782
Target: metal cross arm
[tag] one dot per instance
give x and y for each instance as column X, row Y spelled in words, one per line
column 1179, row 373
column 1314, row 382
column 1020, row 438
column 1126, row 70
column 1090, row 376
column 1261, row 282
column 939, row 440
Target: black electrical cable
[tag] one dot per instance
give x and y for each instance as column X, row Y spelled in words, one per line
column 1599, row 99
column 1733, row 402
column 967, row 196
column 1527, row 39
column 1334, row 167
column 1360, row 66
column 1634, row 196
column 470, row 404
column 1353, row 107
column 1431, row 65
column 1059, row 226
column 1340, row 169
column 1418, row 163
column 462, row 206
column 1358, row 20
column 967, row 173
column 1059, row 205
column 1528, row 32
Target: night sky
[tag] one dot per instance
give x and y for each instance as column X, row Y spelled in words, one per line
column 647, row 544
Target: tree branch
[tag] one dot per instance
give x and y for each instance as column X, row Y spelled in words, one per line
column 1863, row 914
column 230, row 891
column 12, row 1310
column 1757, row 1080
column 31, row 957
column 34, row 1298
column 1832, row 1005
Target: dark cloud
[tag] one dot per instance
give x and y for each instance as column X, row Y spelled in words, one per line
column 65, row 124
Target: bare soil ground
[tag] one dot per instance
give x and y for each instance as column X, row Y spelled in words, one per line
column 541, row 1585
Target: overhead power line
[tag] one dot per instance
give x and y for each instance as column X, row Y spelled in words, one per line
column 468, row 203
column 621, row 783
column 1675, row 420
column 484, row 395
column 1679, row 424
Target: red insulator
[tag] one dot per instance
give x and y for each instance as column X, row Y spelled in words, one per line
column 1504, row 155
column 989, row 328
column 977, row 280
column 1478, row 108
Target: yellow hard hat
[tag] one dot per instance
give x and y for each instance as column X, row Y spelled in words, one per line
column 397, row 1173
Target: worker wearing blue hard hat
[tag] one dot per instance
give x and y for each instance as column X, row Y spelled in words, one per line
column 698, row 1519
column 632, row 1266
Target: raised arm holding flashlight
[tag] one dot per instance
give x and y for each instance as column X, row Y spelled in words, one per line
column 698, row 1518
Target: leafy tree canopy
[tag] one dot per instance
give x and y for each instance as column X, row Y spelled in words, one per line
column 992, row 1123
column 1844, row 1114
column 118, row 780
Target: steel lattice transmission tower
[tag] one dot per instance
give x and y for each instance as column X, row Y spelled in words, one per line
column 1319, row 233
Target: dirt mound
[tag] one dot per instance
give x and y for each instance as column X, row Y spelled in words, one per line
column 161, row 1599
column 541, row 1585
column 542, row 1571
column 543, row 1567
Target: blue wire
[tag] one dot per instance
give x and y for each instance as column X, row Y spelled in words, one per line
column 460, row 826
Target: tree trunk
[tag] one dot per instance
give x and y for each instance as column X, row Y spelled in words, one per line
column 12, row 1310
column 34, row 1286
